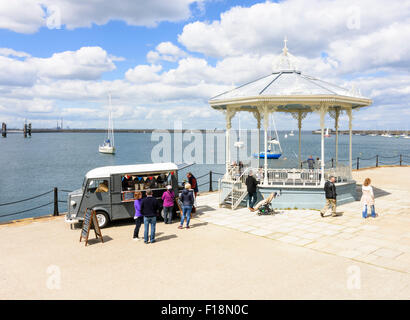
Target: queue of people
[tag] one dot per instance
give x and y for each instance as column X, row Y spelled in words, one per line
column 147, row 209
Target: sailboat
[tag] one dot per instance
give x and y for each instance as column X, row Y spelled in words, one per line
column 291, row 134
column 274, row 148
column 108, row 145
column 239, row 144
column 327, row 135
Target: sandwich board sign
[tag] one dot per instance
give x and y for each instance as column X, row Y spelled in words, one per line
column 90, row 218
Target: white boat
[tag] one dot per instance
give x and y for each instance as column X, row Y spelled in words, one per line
column 327, row 135
column 291, row 134
column 286, row 136
column 386, row 135
column 274, row 147
column 239, row 144
column 406, row 137
column 108, row 145
column 372, row 134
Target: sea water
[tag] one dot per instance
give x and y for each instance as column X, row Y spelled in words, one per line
column 31, row 166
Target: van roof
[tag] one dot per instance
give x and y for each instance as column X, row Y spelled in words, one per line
column 105, row 172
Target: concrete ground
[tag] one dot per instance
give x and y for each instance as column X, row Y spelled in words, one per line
column 226, row 255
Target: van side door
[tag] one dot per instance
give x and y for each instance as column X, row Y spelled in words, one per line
column 120, row 209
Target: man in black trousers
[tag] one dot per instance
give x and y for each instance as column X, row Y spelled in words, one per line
column 330, row 194
column 149, row 210
column 251, row 185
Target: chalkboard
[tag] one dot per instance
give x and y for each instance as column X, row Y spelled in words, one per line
column 90, row 220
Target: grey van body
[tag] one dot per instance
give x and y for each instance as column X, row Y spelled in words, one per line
column 116, row 203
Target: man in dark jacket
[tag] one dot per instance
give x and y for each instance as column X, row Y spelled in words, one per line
column 251, row 185
column 330, row 194
column 187, row 199
column 149, row 210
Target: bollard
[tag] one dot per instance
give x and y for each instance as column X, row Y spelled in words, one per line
column 55, row 202
column 357, row 163
column 401, row 160
column 377, row 160
column 210, row 180
column 4, row 130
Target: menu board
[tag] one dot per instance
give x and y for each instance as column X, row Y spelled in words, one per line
column 90, row 220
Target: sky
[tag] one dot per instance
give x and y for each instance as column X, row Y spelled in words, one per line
column 162, row 61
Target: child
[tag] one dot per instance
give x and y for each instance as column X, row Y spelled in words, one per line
column 367, row 198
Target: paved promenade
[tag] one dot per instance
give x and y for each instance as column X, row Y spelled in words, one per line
column 383, row 242
column 225, row 255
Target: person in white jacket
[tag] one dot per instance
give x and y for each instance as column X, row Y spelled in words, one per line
column 367, row 199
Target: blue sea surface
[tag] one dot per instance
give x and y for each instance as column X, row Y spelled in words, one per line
column 36, row 165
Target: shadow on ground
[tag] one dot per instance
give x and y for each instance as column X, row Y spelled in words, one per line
column 163, row 238
column 377, row 192
column 94, row 240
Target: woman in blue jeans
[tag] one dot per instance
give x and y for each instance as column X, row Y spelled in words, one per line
column 187, row 198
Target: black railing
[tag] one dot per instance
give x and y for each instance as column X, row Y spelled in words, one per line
column 55, row 203
column 400, row 160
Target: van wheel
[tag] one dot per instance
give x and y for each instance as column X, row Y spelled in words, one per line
column 102, row 219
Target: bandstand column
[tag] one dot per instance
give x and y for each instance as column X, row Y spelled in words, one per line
column 300, row 137
column 265, row 131
column 257, row 116
column 322, row 142
column 229, row 115
column 349, row 114
column 337, row 114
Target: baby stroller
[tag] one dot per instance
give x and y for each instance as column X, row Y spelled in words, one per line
column 264, row 207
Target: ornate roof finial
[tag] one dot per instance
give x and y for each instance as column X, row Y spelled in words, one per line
column 285, row 48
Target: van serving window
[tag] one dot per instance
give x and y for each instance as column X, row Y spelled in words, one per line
column 157, row 182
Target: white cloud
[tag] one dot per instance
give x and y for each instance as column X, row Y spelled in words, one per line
column 143, row 73
column 7, row 52
column 87, row 63
column 246, row 42
column 27, row 16
column 311, row 27
column 166, row 51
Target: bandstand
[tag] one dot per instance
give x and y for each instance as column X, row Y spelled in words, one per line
column 289, row 90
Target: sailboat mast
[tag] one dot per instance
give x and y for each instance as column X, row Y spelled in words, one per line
column 276, row 132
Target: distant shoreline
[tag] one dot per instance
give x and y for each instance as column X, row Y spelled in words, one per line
column 44, row 130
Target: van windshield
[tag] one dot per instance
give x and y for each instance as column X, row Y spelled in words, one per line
column 84, row 183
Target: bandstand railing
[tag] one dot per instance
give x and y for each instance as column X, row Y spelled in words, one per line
column 290, row 177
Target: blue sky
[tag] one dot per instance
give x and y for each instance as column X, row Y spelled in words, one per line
column 163, row 60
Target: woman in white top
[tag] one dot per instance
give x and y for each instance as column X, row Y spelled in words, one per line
column 367, row 198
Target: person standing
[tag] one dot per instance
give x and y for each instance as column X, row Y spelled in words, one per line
column 149, row 209
column 330, row 194
column 367, row 199
column 194, row 185
column 311, row 162
column 187, row 199
column 168, row 204
column 251, row 185
column 138, row 216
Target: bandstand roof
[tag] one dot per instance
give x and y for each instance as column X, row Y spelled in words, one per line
column 289, row 90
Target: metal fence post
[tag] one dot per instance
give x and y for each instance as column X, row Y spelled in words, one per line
column 377, row 160
column 357, row 164
column 210, row 180
column 332, row 162
column 55, row 202
column 401, row 160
